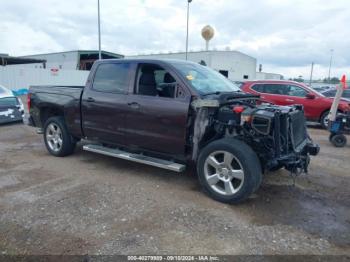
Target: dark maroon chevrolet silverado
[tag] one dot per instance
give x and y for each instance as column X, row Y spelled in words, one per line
column 169, row 114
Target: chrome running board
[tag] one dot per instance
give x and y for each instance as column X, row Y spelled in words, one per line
column 135, row 157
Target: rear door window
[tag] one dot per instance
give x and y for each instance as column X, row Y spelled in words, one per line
column 112, row 78
column 276, row 89
column 258, row 88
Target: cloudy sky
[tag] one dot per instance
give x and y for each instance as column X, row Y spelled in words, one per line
column 284, row 35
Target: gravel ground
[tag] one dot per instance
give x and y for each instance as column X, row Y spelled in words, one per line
column 92, row 204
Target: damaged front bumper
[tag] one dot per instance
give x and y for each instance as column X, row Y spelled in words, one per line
column 295, row 162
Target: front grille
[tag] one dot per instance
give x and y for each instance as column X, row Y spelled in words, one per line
column 298, row 129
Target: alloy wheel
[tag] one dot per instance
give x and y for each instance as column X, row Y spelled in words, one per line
column 54, row 137
column 224, row 173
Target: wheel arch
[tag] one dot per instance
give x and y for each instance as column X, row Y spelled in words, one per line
column 48, row 111
column 328, row 109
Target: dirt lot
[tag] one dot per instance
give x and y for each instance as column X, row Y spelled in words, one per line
column 91, row 204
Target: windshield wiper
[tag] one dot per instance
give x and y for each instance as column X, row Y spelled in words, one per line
column 212, row 93
column 220, row 92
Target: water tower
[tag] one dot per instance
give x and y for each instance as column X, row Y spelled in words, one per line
column 207, row 34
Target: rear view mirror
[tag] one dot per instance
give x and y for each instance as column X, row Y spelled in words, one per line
column 310, row 96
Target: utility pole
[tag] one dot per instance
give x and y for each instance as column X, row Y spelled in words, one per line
column 330, row 66
column 188, row 16
column 99, row 31
column 312, row 70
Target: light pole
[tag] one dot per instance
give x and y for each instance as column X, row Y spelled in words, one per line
column 99, row 31
column 330, row 66
column 312, row 70
column 188, row 16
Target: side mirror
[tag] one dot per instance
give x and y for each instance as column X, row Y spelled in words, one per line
column 167, row 89
column 310, row 96
column 167, row 85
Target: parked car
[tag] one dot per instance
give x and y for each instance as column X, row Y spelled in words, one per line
column 331, row 93
column 286, row 93
column 11, row 107
column 322, row 88
column 169, row 114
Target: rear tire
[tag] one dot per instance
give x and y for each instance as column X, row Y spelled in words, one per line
column 338, row 140
column 57, row 139
column 229, row 171
column 331, row 135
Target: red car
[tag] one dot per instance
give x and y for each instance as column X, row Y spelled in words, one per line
column 281, row 92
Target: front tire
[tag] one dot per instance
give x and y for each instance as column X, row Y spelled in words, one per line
column 229, row 171
column 57, row 139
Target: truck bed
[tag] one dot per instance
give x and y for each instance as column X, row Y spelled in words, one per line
column 63, row 98
column 60, row 90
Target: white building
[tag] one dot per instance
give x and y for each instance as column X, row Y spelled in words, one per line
column 268, row 76
column 71, row 60
column 19, row 78
column 233, row 64
column 64, row 68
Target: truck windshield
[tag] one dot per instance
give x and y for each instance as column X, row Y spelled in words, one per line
column 204, row 79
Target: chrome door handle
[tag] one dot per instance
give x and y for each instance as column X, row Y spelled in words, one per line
column 289, row 100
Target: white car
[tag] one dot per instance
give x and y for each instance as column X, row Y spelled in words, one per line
column 11, row 107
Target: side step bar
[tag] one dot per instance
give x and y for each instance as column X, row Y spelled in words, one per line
column 135, row 157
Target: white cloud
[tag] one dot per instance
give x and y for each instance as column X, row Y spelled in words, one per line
column 22, row 39
column 284, row 35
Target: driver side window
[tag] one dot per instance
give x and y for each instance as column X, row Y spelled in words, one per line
column 153, row 80
column 296, row 91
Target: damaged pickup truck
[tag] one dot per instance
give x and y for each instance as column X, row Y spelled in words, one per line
column 171, row 114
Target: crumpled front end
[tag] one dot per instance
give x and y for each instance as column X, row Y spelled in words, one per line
column 286, row 142
column 277, row 134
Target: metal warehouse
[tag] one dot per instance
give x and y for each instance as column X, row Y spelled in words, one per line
column 72, row 60
column 232, row 64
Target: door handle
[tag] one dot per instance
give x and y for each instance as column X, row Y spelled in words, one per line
column 289, row 100
column 90, row 99
column 134, row 105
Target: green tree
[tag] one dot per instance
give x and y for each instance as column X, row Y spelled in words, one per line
column 299, row 79
column 335, row 80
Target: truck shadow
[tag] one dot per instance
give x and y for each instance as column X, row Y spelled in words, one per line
column 321, row 214
column 137, row 169
column 277, row 202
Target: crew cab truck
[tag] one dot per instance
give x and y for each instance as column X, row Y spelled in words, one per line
column 169, row 114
